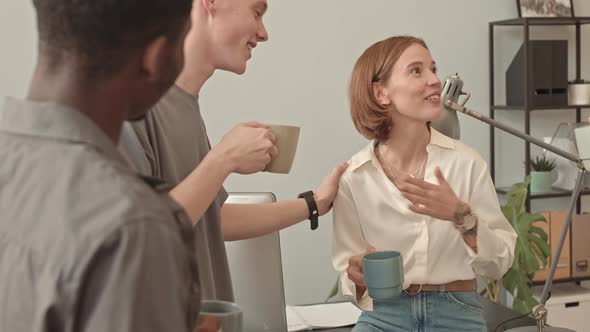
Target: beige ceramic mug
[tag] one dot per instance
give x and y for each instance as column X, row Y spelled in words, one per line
column 287, row 138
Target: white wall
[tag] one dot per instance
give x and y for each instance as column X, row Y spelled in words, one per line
column 18, row 48
column 300, row 77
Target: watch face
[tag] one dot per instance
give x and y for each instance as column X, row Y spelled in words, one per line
column 470, row 217
column 463, row 209
column 462, row 212
column 469, row 221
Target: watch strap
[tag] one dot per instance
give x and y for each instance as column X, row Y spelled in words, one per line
column 312, row 207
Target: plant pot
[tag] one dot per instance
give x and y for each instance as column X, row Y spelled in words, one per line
column 578, row 94
column 541, row 182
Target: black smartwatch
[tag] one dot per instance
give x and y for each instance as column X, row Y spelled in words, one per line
column 313, row 208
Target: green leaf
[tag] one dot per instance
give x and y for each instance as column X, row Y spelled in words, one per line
column 541, row 245
column 530, row 218
column 510, row 281
column 334, row 290
column 532, row 249
column 539, row 254
column 539, row 232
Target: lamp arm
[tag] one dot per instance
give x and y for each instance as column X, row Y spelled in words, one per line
column 562, row 153
column 515, row 132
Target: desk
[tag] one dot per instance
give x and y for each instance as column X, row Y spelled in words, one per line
column 494, row 314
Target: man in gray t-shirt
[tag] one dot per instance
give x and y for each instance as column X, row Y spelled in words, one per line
column 176, row 148
column 163, row 136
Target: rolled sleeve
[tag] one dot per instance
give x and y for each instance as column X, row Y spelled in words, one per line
column 496, row 238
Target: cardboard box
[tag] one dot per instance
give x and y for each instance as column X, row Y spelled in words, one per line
column 555, row 225
column 555, row 221
column 581, row 246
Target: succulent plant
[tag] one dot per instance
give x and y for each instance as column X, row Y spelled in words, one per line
column 542, row 164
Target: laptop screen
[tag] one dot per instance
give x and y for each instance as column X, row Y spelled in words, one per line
column 257, row 274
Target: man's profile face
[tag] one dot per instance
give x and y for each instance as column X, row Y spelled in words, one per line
column 237, row 29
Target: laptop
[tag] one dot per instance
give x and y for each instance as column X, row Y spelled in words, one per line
column 257, row 274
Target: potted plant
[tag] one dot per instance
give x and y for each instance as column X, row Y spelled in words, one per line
column 541, row 177
column 578, row 92
column 531, row 252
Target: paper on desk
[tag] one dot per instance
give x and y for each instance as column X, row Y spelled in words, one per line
column 319, row 316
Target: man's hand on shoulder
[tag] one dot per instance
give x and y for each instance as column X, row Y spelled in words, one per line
column 327, row 191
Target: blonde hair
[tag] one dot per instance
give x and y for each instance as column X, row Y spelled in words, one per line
column 375, row 65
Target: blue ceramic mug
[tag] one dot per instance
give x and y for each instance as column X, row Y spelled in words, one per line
column 384, row 274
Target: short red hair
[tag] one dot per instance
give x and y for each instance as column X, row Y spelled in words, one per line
column 375, row 65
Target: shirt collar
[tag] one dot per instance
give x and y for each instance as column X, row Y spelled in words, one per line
column 55, row 122
column 368, row 153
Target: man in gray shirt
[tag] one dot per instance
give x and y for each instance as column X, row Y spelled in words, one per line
column 85, row 243
column 175, row 146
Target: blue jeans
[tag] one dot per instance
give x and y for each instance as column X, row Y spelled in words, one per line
column 425, row 312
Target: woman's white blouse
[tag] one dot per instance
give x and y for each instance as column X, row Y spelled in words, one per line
column 370, row 211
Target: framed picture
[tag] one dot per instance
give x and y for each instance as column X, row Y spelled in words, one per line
column 545, row 8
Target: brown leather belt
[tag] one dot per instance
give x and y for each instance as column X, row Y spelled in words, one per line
column 453, row 286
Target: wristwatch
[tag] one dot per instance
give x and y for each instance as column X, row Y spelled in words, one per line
column 313, row 208
column 465, row 220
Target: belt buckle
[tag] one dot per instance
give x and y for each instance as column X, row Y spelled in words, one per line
column 414, row 294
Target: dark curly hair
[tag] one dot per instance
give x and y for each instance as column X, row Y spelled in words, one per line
column 103, row 33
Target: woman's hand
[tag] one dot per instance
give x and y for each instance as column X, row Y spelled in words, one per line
column 355, row 273
column 438, row 201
